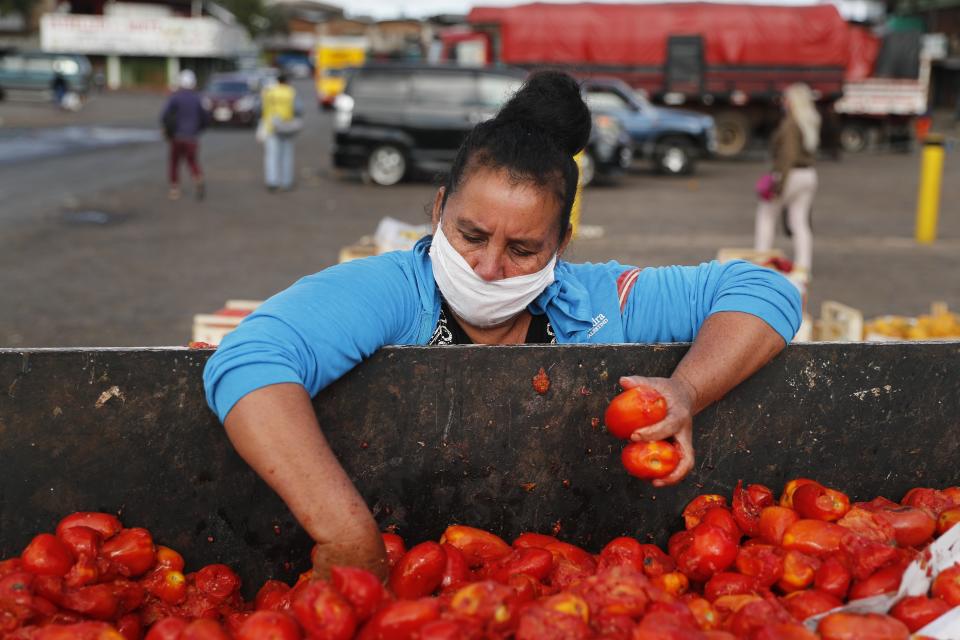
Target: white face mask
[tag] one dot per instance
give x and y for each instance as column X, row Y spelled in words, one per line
column 479, row 302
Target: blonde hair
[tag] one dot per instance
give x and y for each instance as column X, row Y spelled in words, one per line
column 799, row 101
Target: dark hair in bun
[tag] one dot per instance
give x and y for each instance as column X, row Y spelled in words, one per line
column 534, row 138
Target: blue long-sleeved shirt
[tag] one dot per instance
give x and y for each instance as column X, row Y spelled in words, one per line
column 325, row 324
column 191, row 117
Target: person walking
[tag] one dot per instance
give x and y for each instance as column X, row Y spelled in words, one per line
column 794, row 147
column 279, row 125
column 183, row 119
column 58, row 88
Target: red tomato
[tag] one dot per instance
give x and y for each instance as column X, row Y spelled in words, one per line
column 815, row 537
column 47, row 555
column 708, row 550
column 84, row 571
column 132, row 551
column 441, row 630
column 784, row 631
column 574, row 554
column 537, row 623
column 217, row 581
column 419, row 572
column 204, row 629
column 762, row 562
column 533, row 540
column 833, row 577
column 107, row 525
column 272, row 596
column 883, row 580
column 948, row 518
column 918, row 611
column 628, row 552
column 130, row 627
column 169, row 559
column 774, row 522
column 323, row 613
column 77, row 631
column 477, row 546
column 634, row 409
column 857, row 626
column 747, row 505
column 946, row 586
column 799, row 571
column 674, row 583
column 755, row 615
column 536, row 563
column 360, row 588
column 930, row 500
column 698, row 507
column 401, row 620
column 650, row 460
column 804, row 604
column 82, row 541
column 912, row 526
column 394, row 546
column 786, row 499
column 456, row 571
column 703, row 612
column 167, row 629
column 814, row 501
column 168, row 585
column 269, row 625
column 483, row 603
column 726, row 584
column 723, row 518
column 96, row 601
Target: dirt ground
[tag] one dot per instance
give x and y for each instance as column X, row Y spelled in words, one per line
column 93, row 254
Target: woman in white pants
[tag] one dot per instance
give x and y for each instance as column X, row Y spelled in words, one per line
column 794, row 147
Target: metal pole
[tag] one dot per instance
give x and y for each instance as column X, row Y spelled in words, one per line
column 928, row 198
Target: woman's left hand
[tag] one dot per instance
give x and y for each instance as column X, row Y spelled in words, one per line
column 678, row 423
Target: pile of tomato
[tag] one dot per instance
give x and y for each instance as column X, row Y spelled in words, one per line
column 751, row 567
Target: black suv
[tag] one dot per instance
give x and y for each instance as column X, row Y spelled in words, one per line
column 393, row 120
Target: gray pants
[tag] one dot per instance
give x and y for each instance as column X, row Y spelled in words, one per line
column 278, row 162
column 797, row 197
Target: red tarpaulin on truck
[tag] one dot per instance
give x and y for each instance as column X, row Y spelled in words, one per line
column 636, row 34
column 864, row 47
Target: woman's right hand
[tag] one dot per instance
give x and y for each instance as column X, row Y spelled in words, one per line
column 364, row 551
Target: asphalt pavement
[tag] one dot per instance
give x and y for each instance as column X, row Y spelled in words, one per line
column 93, row 254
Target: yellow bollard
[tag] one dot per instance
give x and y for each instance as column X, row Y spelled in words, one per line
column 575, row 212
column 928, row 199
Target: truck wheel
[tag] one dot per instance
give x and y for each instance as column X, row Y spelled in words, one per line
column 674, row 157
column 588, row 169
column 386, row 165
column 853, row 138
column 733, row 133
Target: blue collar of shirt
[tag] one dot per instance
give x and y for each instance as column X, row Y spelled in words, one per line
column 566, row 302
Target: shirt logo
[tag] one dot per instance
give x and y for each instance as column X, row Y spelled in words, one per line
column 598, row 323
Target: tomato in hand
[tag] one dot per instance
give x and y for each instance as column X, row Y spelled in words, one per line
column 634, row 409
column 650, row 460
column 47, row 555
column 419, row 572
column 918, row 611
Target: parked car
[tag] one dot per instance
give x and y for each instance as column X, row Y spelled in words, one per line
column 672, row 138
column 396, row 119
column 30, row 74
column 234, row 98
column 295, row 65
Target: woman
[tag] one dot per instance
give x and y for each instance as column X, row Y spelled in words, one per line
column 490, row 274
column 279, row 110
column 794, row 145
